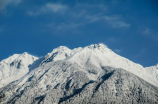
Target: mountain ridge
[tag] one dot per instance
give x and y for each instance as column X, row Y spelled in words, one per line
column 106, row 57
column 63, row 82
column 92, row 74
column 97, row 54
column 15, row 67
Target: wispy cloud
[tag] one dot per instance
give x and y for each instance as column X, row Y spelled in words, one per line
column 117, row 50
column 49, row 7
column 68, row 26
column 94, row 18
column 112, row 40
column 147, row 31
column 141, row 52
column 150, row 33
column 5, row 3
column 115, row 21
column 54, row 7
column 84, row 10
column 65, row 28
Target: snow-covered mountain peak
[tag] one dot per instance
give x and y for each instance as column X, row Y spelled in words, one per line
column 100, row 49
column 14, row 67
column 92, row 72
column 18, row 60
column 95, row 55
column 61, row 49
column 59, row 53
column 97, row 46
column 10, row 58
column 63, row 52
column 26, row 59
column 25, row 53
column 100, row 55
column 18, row 57
column 27, row 56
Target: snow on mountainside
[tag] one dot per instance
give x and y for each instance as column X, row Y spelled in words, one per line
column 15, row 67
column 93, row 74
column 97, row 55
column 152, row 71
column 60, row 53
column 100, row 55
column 62, row 82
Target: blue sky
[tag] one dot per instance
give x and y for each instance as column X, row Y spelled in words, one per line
column 128, row 27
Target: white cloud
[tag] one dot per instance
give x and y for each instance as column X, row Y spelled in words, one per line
column 5, row 3
column 112, row 39
column 49, row 7
column 115, row 21
column 150, row 33
column 54, row 7
column 68, row 26
column 84, row 10
column 94, row 18
column 117, row 50
column 141, row 52
column 32, row 13
column 147, row 31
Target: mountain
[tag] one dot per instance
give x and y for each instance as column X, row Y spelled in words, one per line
column 153, row 71
column 100, row 55
column 15, row 67
column 90, row 75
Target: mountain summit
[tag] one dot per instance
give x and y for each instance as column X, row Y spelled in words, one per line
column 92, row 74
column 15, row 67
column 100, row 55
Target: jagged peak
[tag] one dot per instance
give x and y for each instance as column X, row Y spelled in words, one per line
column 61, row 49
column 58, row 53
column 77, row 49
column 16, row 57
column 94, row 46
column 25, row 54
column 65, row 49
column 64, row 52
column 10, row 58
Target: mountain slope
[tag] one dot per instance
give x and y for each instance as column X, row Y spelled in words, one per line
column 89, row 75
column 15, row 67
column 64, row 82
column 153, row 70
column 100, row 55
